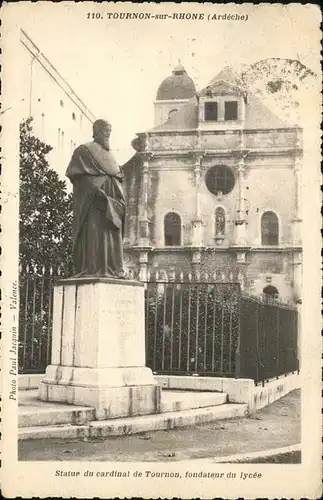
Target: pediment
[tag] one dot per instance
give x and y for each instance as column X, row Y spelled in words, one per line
column 221, row 87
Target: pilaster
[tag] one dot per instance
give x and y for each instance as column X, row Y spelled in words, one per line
column 240, row 237
column 196, row 263
column 197, row 222
column 297, row 219
column 297, row 276
column 143, row 266
column 143, row 239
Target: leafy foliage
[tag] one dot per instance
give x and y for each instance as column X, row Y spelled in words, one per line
column 45, row 207
column 45, row 247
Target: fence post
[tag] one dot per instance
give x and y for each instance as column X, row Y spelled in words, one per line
column 278, row 342
column 238, row 373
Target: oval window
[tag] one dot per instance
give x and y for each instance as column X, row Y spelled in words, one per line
column 220, row 180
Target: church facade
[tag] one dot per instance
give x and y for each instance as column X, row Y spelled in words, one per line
column 214, row 190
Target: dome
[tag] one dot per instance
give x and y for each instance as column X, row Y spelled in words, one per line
column 177, row 86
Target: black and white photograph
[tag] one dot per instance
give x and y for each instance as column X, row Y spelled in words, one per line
column 161, row 245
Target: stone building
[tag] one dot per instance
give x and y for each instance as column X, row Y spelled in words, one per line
column 60, row 117
column 214, row 188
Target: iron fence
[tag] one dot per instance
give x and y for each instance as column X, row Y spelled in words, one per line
column 35, row 317
column 268, row 339
column 204, row 328
column 192, row 327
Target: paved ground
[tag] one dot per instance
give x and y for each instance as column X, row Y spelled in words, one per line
column 275, row 426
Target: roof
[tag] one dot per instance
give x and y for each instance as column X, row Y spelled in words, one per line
column 257, row 114
column 226, row 75
column 179, row 68
column 177, row 86
column 185, row 118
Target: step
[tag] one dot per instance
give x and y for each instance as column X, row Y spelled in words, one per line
column 186, row 400
column 34, row 413
column 135, row 425
column 77, row 415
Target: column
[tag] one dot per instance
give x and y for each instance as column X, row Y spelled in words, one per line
column 297, row 276
column 240, row 222
column 196, row 265
column 143, row 237
column 143, row 266
column 197, row 222
column 297, row 220
column 297, row 287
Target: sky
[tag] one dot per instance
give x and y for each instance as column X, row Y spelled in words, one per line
column 116, row 66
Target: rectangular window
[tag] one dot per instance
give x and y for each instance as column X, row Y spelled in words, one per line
column 211, row 111
column 231, row 110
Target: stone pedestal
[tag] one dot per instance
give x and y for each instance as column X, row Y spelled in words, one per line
column 98, row 349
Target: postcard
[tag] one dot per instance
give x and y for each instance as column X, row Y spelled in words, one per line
column 160, row 250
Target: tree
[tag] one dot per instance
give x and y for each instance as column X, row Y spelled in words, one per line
column 45, row 246
column 283, row 85
column 45, row 207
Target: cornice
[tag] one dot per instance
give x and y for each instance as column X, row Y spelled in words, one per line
column 217, row 153
column 50, row 69
column 213, row 248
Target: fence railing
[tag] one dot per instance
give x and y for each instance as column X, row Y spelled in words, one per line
column 192, row 327
column 268, row 339
column 35, row 317
column 204, row 328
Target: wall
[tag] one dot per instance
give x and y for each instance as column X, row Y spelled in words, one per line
column 132, row 188
column 268, row 184
column 266, row 180
column 174, row 191
column 271, row 139
column 209, row 202
column 271, row 268
column 53, row 123
column 172, row 141
column 225, row 139
column 238, row 390
column 162, row 109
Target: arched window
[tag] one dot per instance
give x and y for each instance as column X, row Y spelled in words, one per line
column 172, row 112
column 269, row 229
column 219, row 221
column 271, row 291
column 172, row 229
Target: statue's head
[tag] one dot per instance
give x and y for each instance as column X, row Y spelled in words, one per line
column 101, row 133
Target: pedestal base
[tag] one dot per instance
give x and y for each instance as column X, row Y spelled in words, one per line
column 98, row 349
column 108, row 401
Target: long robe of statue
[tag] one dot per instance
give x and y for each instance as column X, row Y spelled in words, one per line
column 99, row 212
